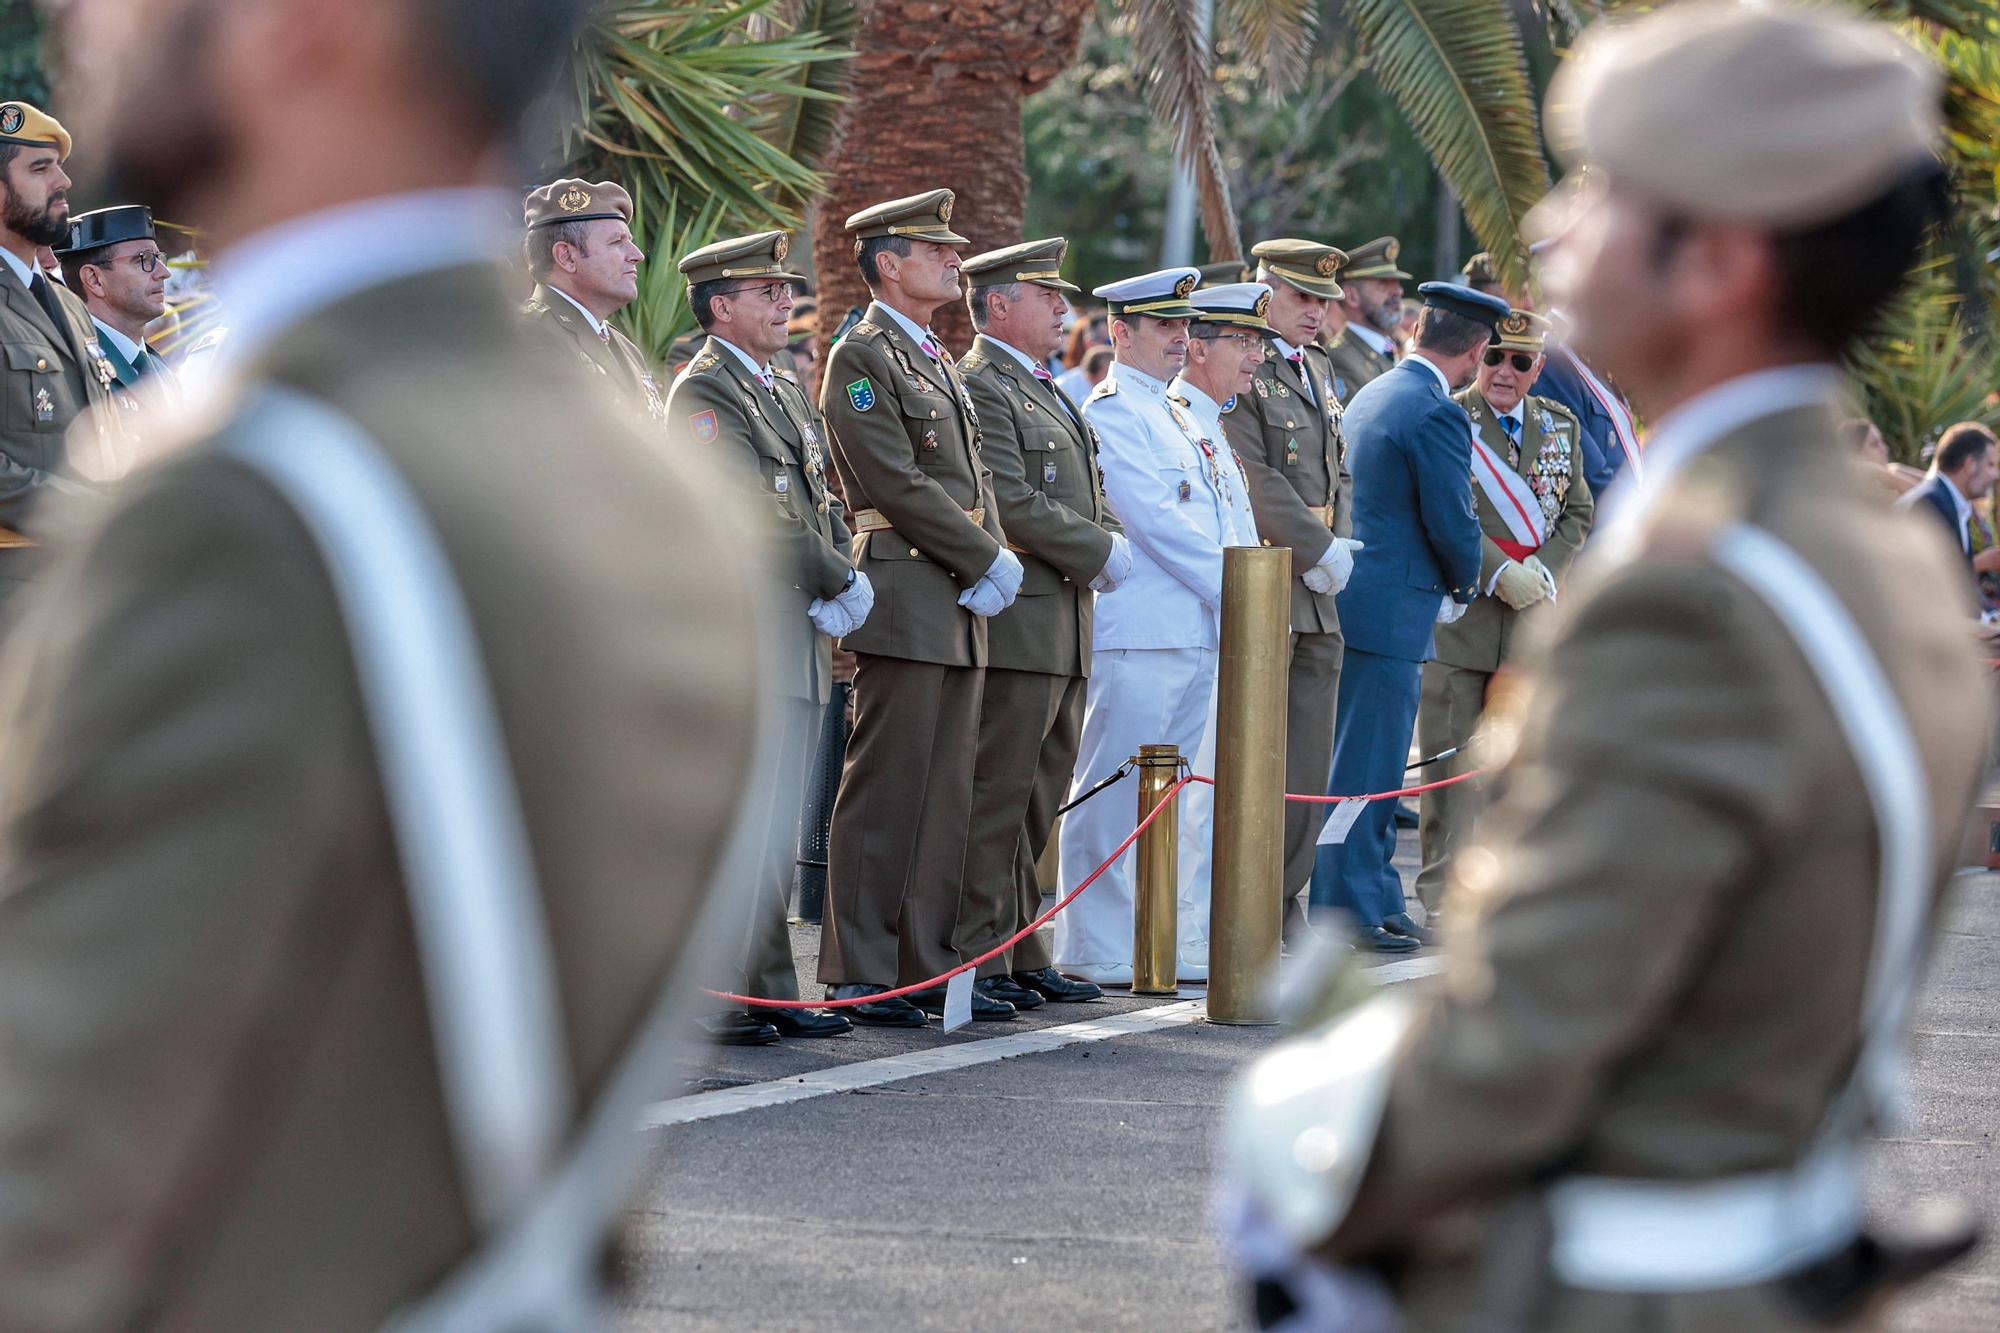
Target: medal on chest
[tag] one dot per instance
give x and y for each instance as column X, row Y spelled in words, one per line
column 1049, row 472
column 1292, row 452
column 45, row 406
column 656, row 404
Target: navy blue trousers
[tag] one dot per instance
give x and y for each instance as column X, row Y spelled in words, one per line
column 1375, row 718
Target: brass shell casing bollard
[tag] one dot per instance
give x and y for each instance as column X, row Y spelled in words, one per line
column 1246, row 895
column 1156, row 887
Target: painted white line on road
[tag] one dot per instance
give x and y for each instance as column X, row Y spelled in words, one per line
column 963, row 1055
column 914, row 1064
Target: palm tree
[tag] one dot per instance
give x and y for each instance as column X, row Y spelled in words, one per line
column 935, row 101
column 711, row 116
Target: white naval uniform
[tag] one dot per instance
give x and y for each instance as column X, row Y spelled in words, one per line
column 1153, row 664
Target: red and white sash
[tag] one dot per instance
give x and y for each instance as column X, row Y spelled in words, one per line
column 1622, row 424
column 1512, row 498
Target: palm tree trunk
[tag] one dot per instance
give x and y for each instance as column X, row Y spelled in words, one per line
column 937, row 90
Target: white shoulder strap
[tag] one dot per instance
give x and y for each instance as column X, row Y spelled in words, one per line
column 1892, row 769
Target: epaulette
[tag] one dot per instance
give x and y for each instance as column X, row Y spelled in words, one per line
column 1104, row 388
column 1560, row 409
column 973, row 361
column 1177, row 399
column 863, row 329
column 706, row 361
column 533, row 306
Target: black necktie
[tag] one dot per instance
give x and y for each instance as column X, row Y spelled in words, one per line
column 39, row 285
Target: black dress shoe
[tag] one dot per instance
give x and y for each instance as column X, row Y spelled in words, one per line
column 1056, row 988
column 1377, row 940
column 1405, row 817
column 1400, row 924
column 891, row 1013
column 1008, row 990
column 985, row 1008
column 737, row 1028
column 804, row 1022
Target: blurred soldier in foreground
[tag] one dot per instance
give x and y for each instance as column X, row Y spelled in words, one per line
column 55, row 364
column 730, row 398
column 906, row 441
column 325, row 936
column 1681, row 959
column 586, row 269
column 1534, row 512
column 1411, row 451
column 1044, row 462
column 113, row 260
column 1286, row 430
column 1361, row 325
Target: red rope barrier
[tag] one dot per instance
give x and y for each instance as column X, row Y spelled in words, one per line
column 1173, row 793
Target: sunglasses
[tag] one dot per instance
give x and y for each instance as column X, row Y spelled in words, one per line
column 1523, row 361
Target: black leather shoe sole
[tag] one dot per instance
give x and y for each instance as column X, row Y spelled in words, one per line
column 804, row 1022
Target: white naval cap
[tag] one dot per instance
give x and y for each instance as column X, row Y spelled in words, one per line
column 1240, row 305
column 1163, row 294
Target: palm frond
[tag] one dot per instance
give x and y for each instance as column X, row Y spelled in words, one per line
column 800, row 123
column 1275, row 36
column 1457, row 69
column 1923, row 372
column 1169, row 46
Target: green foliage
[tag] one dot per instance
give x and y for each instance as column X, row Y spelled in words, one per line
column 1923, row 373
column 21, row 70
column 710, row 117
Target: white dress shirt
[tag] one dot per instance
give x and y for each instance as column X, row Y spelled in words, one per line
column 1381, row 342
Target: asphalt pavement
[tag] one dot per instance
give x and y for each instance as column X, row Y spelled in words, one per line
column 1054, row 1170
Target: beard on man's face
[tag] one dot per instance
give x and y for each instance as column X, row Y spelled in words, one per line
column 47, row 225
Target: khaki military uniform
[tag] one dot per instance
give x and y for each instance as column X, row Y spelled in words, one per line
column 616, row 358
column 1354, row 363
column 906, row 446
column 1045, row 482
column 1659, row 946
column 1480, row 642
column 718, row 404
column 53, row 374
column 1287, row 433
column 223, row 1105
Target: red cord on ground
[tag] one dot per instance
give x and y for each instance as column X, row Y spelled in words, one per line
column 1173, row 793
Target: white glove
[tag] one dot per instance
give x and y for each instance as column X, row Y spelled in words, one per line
column 857, row 599
column 1450, row 611
column 1006, row 575
column 831, row 619
column 1535, row 566
column 1117, row 565
column 1335, row 568
column 1519, row 586
column 986, row 598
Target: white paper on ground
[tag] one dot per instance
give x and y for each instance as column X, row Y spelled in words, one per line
column 1338, row 821
column 958, row 1001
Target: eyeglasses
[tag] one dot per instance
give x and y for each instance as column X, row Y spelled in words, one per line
column 1523, row 361
column 1245, row 341
column 773, row 292
column 147, row 260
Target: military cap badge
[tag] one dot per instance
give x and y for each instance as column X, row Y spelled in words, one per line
column 1325, row 266
column 781, row 249
column 1391, row 250
column 704, row 427
column 1263, row 305
column 11, row 119
column 1514, row 325
column 574, row 201
column 1186, row 285
column 944, row 210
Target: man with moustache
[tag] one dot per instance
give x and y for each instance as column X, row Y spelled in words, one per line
column 729, row 398
column 1674, row 1008
column 1360, row 328
column 1411, row 451
column 1044, row 462
column 114, row 262
column 56, row 365
column 1535, row 510
column 365, row 791
column 1287, row 432
column 585, row 263
column 928, row 536
column 1180, row 497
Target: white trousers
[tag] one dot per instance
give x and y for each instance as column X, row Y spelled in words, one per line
column 1136, row 696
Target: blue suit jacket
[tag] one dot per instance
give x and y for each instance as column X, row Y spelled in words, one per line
column 1410, row 448
column 1603, row 455
column 1930, row 495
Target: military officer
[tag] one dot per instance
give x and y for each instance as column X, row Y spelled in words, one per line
column 1686, row 943
column 585, row 262
column 1360, row 330
column 113, row 260
column 366, row 781
column 56, row 365
column 1411, row 447
column 928, row 535
column 730, row 398
column 1045, row 481
column 1175, row 488
column 1534, row 510
column 1287, row 432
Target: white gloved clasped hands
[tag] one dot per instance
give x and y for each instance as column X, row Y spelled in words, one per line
column 1006, row 574
column 1335, row 568
column 857, row 598
column 831, row 618
column 1541, row 571
column 1117, row 565
column 1519, row 586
